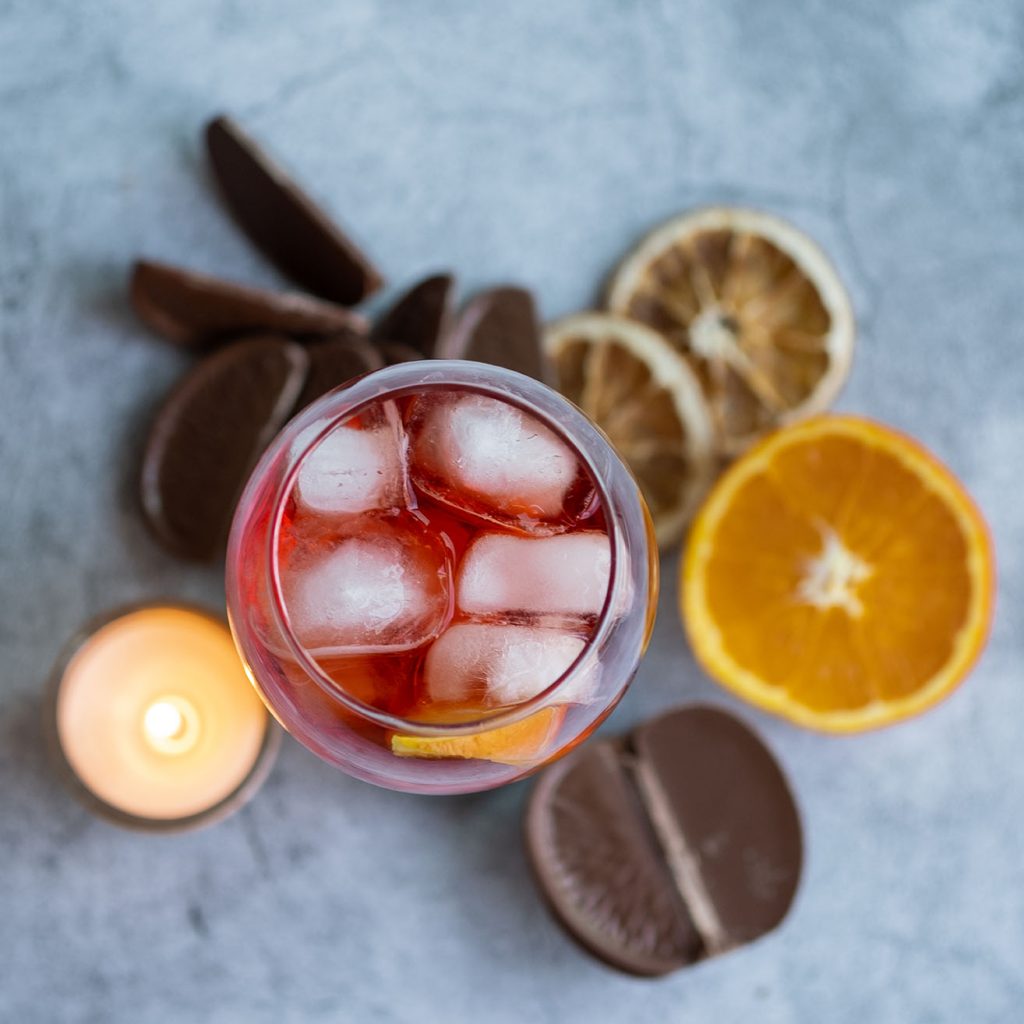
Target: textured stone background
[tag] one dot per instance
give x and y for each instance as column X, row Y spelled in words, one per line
column 530, row 141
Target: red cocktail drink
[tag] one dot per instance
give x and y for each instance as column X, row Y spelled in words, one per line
column 441, row 576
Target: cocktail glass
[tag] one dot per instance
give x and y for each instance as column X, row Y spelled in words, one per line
column 366, row 628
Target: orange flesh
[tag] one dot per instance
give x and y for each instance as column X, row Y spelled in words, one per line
column 846, row 570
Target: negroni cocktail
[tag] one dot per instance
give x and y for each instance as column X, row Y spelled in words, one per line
column 440, row 576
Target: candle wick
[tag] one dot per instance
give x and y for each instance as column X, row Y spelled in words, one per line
column 170, row 725
column 163, row 720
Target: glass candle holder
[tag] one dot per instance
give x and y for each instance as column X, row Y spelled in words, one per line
column 151, row 720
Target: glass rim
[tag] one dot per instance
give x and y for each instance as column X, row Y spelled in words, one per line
column 406, row 378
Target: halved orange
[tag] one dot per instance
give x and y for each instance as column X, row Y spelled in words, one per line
column 521, row 742
column 839, row 576
column 754, row 306
column 631, row 383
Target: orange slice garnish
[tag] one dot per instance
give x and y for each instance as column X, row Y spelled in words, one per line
column 754, row 306
column 839, row 576
column 522, row 742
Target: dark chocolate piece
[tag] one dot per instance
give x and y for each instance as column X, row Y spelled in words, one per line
column 196, row 310
column 284, row 222
column 209, row 434
column 726, row 818
column 335, row 362
column 678, row 844
column 500, row 327
column 395, row 352
column 421, row 318
column 599, row 865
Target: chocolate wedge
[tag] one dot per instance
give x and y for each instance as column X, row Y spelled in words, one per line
column 335, row 362
column 197, row 311
column 396, row 352
column 500, row 327
column 208, row 435
column 284, row 222
column 679, row 843
column 420, row 319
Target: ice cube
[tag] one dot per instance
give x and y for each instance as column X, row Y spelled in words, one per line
column 567, row 574
column 479, row 663
column 380, row 590
column 492, row 452
column 355, row 468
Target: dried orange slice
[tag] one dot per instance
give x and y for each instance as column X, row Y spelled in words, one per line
column 838, row 575
column 644, row 396
column 519, row 743
column 754, row 305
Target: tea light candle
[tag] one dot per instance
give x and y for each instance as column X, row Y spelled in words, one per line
column 156, row 721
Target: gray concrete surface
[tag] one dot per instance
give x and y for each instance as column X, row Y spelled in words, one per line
column 529, row 141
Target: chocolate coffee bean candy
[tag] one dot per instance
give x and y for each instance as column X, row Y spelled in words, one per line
column 208, row 435
column 284, row 222
column 335, row 362
column 420, row 319
column 197, row 311
column 678, row 843
column 500, row 327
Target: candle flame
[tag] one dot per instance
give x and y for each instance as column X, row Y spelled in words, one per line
column 163, row 721
column 171, row 725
